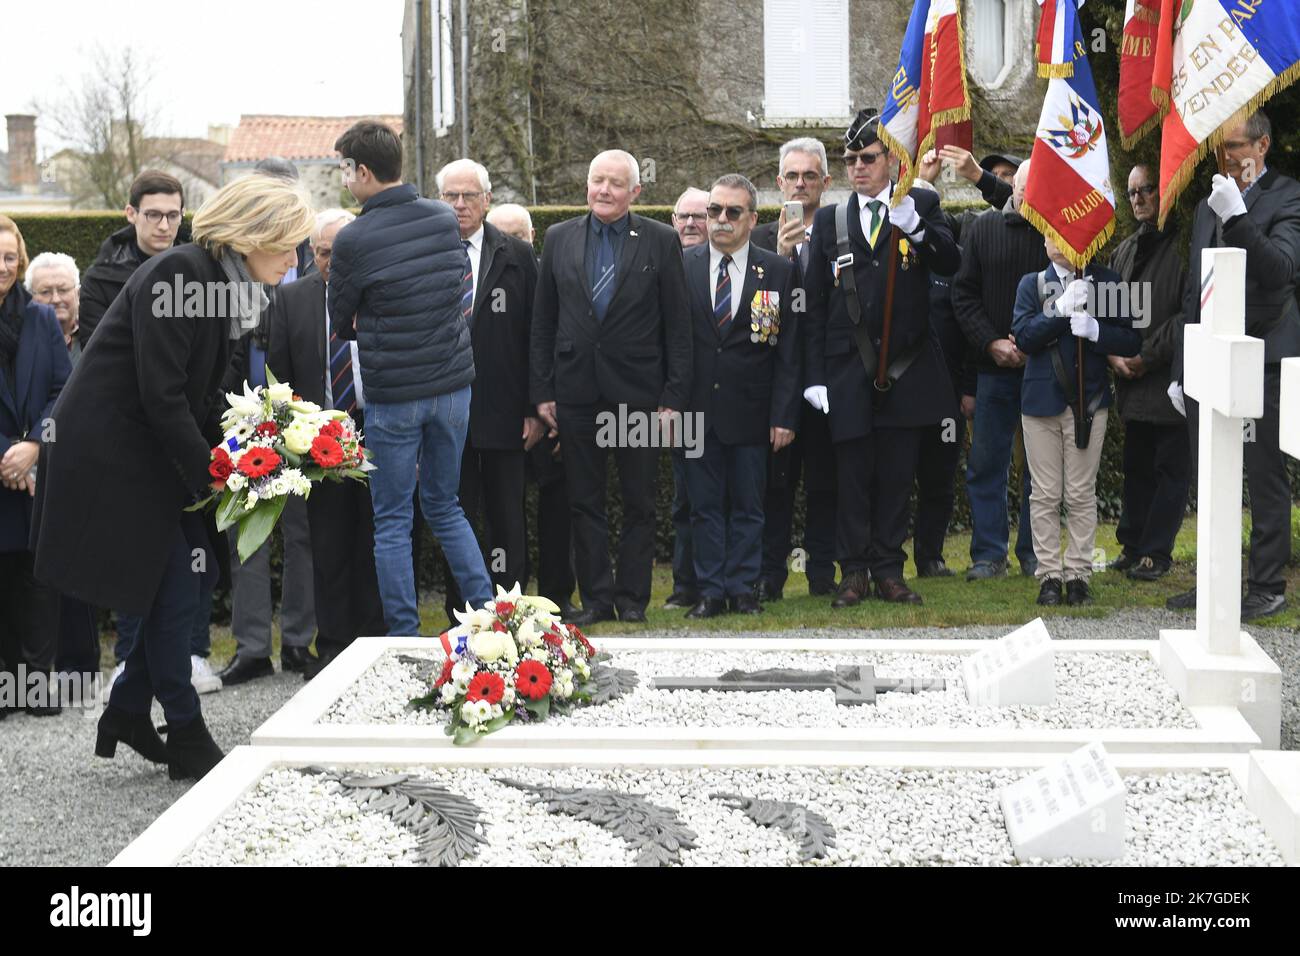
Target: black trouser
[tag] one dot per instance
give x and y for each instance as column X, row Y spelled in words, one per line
column 936, row 476
column 29, row 618
column 1269, row 487
column 813, row 455
column 875, row 485
column 1157, row 477
column 684, row 580
column 555, row 580
column 492, row 494
column 78, row 637
column 584, row 468
column 348, row 604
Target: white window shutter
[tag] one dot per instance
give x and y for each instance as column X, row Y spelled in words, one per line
column 806, row 60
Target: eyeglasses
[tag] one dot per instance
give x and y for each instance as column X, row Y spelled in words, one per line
column 1141, row 191
column 809, row 177
column 866, row 159
column 689, row 216
column 155, row 216
column 454, row 198
column 10, row 260
column 733, row 213
column 49, row 293
column 1236, row 144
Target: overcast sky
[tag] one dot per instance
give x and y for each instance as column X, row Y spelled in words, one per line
column 212, row 60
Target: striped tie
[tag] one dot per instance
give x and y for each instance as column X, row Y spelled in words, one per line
column 722, row 294
column 876, row 220
column 467, row 287
column 345, row 398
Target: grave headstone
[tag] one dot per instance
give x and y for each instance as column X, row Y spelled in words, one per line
column 1073, row 808
column 1017, row 669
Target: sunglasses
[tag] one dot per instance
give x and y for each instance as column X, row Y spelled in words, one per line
column 1141, row 191
column 733, row 213
column 866, row 159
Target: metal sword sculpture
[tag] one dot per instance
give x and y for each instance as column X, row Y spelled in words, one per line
column 853, row 684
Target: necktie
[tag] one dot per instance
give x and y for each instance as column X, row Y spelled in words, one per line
column 602, row 289
column 345, row 398
column 722, row 294
column 803, row 250
column 876, row 220
column 467, row 287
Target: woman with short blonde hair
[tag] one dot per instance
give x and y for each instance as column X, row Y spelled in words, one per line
column 136, row 424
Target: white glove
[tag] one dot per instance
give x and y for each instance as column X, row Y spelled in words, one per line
column 905, row 216
column 816, row 396
column 1175, row 393
column 1225, row 198
column 1084, row 326
column 1074, row 298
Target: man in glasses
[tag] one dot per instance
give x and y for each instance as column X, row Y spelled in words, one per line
column 155, row 205
column 803, row 178
column 54, row 280
column 1255, row 208
column 877, row 432
column 1157, row 453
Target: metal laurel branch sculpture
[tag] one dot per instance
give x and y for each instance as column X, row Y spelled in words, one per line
column 445, row 824
column 810, row 830
column 653, row 831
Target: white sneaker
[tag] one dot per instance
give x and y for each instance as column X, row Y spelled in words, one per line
column 201, row 676
column 108, row 686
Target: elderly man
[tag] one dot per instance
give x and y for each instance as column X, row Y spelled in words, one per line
column 304, row 351
column 803, row 179
column 54, row 280
column 503, row 426
column 1255, row 208
column 689, row 221
column 514, row 220
column 1157, row 451
column 611, row 337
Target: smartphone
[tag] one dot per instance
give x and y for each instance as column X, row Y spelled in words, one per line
column 793, row 211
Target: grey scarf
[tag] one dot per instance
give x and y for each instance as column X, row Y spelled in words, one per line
column 250, row 299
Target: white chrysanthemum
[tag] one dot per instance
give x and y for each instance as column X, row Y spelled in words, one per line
column 279, row 392
column 236, row 481
column 462, row 672
column 298, row 435
column 448, row 692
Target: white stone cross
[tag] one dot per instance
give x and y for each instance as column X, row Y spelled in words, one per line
column 1218, row 664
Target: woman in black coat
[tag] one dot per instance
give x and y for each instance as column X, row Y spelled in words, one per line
column 34, row 364
column 136, row 424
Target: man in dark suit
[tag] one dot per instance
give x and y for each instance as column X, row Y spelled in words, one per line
column 803, row 179
column 877, row 433
column 745, row 390
column 611, row 336
column 322, row 368
column 1255, row 208
column 503, row 426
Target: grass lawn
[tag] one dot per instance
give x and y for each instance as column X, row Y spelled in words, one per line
column 949, row 602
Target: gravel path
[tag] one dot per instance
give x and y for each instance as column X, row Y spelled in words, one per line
column 62, row 806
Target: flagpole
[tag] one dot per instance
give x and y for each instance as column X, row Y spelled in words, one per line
column 1080, row 422
column 882, row 366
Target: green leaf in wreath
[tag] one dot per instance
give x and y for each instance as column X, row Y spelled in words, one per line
column 465, row 735
column 256, row 527
column 232, row 506
column 540, row 709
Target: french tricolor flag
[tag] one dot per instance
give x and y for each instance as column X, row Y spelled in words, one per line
column 1069, row 195
column 929, row 87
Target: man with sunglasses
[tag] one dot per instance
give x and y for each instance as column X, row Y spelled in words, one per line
column 1255, row 208
column 155, row 206
column 746, row 386
column 1157, row 452
column 876, row 432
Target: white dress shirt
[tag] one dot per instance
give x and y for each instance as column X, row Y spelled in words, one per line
column 475, row 257
column 356, row 364
column 739, row 262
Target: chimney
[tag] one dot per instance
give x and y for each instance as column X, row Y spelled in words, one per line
column 23, row 175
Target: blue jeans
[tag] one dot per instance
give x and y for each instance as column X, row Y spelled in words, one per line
column 997, row 416
column 423, row 440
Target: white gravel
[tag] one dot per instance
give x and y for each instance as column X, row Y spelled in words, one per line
column 881, row 816
column 1092, row 690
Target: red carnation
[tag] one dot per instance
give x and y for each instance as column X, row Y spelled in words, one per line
column 533, row 680
column 221, row 466
column 332, row 429
column 445, row 675
column 505, row 608
column 259, row 462
column 326, row 452
column 486, row 686
column 498, row 627
column 553, row 638
column 269, row 429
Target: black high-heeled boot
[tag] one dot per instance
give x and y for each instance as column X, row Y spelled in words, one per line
column 191, row 751
column 134, row 730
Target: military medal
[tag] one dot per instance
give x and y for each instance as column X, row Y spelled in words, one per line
column 765, row 315
column 905, row 249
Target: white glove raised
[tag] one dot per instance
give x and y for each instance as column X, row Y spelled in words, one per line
column 905, row 216
column 1175, row 393
column 1225, row 198
column 817, row 397
column 1084, row 326
column 1074, row 298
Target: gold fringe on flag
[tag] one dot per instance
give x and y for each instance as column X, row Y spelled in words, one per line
column 1130, row 141
column 1078, row 259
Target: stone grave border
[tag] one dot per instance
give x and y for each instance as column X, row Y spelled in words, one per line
column 1220, row 728
column 1265, row 778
